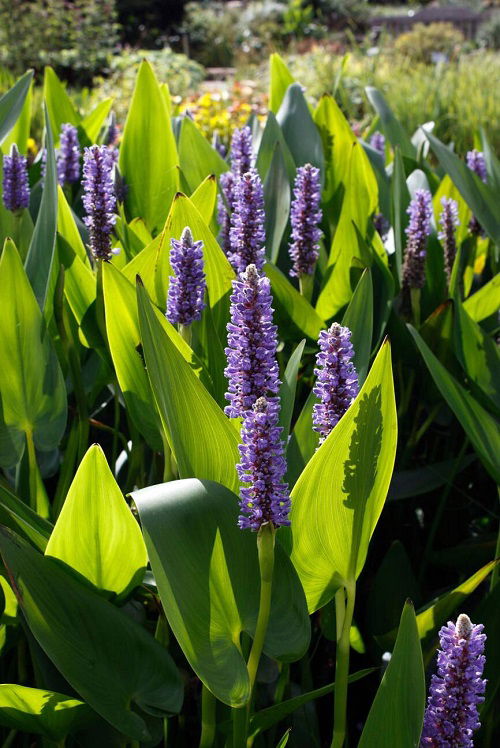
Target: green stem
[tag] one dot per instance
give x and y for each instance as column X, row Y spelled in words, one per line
column 240, row 727
column 342, row 669
column 265, row 547
column 415, row 306
column 186, row 333
column 168, row 473
column 495, row 574
column 306, row 286
column 39, row 501
column 208, row 708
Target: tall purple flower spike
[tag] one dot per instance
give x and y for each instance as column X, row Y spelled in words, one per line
column 262, row 466
column 417, row 232
column 448, row 221
column 99, row 199
column 68, row 158
column 377, row 141
column 241, row 158
column 186, row 291
column 337, row 380
column 477, row 164
column 252, row 369
column 451, row 716
column 16, row 191
column 247, row 234
column 305, row 216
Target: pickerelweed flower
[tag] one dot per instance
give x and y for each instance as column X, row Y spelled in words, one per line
column 477, row 164
column 448, row 221
column 305, row 216
column 262, row 466
column 186, row 291
column 247, row 234
column 417, row 232
column 252, row 369
column 16, row 191
column 68, row 158
column 337, row 380
column 99, row 199
column 451, row 716
column 240, row 158
column 377, row 141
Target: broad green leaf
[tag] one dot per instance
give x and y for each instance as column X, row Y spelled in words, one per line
column 279, row 80
column 148, row 153
column 67, row 228
column 479, row 356
column 93, row 123
column 271, row 136
column 478, row 424
column 194, row 544
column 17, row 515
column 338, row 499
column 291, row 306
column 197, row 157
column 266, row 718
column 393, row 583
column 391, row 126
column 203, row 440
column 59, row 105
column 276, row 203
column 397, row 713
column 338, row 140
column 108, row 658
column 484, row 302
column 12, row 102
column 145, row 265
column 80, row 290
column 300, row 132
column 28, row 403
column 35, row 710
column 480, row 197
column 406, row 484
column 491, row 160
column 288, row 388
column 284, row 740
column 95, row 533
column 40, row 258
column 204, row 198
column 400, row 199
column 21, row 130
column 359, row 319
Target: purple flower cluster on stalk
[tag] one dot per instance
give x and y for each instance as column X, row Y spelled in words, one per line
column 186, row 291
column 456, row 690
column 305, row 216
column 68, row 158
column 477, row 164
column 337, row 380
column 99, row 199
column 252, row 369
column 247, row 234
column 240, row 158
column 417, row 232
column 448, row 221
column 377, row 141
column 262, row 466
column 16, row 191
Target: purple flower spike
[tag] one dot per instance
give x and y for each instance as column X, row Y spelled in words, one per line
column 186, row 291
column 417, row 232
column 305, row 216
column 448, row 220
column 377, row 141
column 16, row 191
column 226, row 181
column 247, row 234
column 252, row 369
column 262, row 467
column 451, row 716
column 99, row 199
column 241, row 156
column 477, row 164
column 68, row 158
column 337, row 379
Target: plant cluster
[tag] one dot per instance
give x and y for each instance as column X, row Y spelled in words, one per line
column 248, row 428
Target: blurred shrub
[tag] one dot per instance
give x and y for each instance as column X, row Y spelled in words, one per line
column 212, row 33
column 340, row 13
column 182, row 75
column 429, row 43
column 75, row 38
column 489, row 32
column 459, row 96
